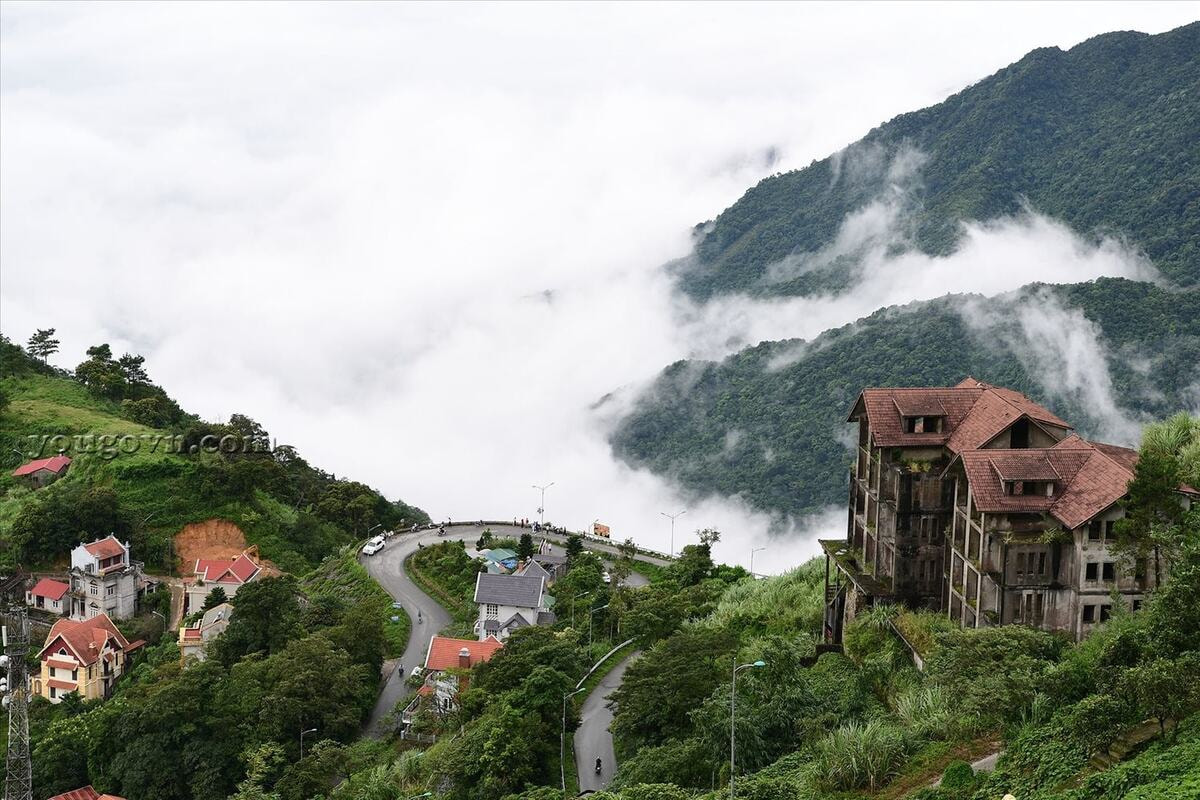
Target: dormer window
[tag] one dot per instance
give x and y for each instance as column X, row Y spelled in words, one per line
column 923, row 424
column 1029, row 488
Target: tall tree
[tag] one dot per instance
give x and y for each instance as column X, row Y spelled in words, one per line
column 1157, row 519
column 265, row 618
column 133, row 368
column 574, row 548
column 43, row 344
column 525, row 546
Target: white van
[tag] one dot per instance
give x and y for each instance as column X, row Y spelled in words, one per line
column 373, row 546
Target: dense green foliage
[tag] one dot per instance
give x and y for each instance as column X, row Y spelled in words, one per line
column 512, row 717
column 284, row 664
column 767, row 424
column 1101, row 136
column 341, row 581
column 140, row 478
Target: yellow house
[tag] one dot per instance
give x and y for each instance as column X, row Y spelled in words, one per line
column 82, row 656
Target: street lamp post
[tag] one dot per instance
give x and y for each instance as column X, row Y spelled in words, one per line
column 302, row 732
column 542, row 503
column 672, row 518
column 733, row 719
column 752, row 552
column 592, row 617
column 164, row 619
column 562, row 739
column 573, row 599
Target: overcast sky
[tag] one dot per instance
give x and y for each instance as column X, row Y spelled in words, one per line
column 420, row 241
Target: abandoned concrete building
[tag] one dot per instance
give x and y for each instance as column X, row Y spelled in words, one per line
column 976, row 501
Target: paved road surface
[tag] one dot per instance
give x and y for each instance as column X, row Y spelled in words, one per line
column 387, row 568
column 175, row 586
column 593, row 738
column 592, row 544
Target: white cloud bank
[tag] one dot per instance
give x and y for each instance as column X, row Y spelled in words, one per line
column 419, row 242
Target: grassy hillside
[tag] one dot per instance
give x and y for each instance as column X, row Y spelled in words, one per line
column 1101, row 136
column 768, row 423
column 143, row 483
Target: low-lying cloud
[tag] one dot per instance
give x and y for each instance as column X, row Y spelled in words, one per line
column 1064, row 352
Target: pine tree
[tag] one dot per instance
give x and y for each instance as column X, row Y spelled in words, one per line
column 43, row 344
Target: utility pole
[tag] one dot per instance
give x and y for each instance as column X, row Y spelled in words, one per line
column 542, row 504
column 18, row 778
column 672, row 518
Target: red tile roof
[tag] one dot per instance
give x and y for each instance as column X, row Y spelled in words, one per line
column 70, row 686
column 972, row 414
column 107, row 547
column 1087, row 479
column 50, row 588
column 84, row 639
column 55, row 464
column 226, row 570
column 443, row 651
column 86, row 793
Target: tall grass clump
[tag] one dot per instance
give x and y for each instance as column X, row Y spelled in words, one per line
column 925, row 712
column 859, row 755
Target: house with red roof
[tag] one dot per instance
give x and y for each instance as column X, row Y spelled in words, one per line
column 230, row 574
column 448, row 663
column 49, row 595
column 975, row 501
column 105, row 580
column 86, row 793
column 82, row 656
column 44, row 470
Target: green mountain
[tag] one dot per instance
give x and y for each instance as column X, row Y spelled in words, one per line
column 143, row 469
column 766, row 424
column 1103, row 137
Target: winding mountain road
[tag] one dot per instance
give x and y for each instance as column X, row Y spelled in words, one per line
column 592, row 738
column 387, row 568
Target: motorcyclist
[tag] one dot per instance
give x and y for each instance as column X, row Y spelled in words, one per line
column 419, row 620
column 597, row 766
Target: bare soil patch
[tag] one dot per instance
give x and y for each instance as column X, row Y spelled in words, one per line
column 214, row 538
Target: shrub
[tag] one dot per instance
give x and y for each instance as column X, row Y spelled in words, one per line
column 994, row 673
column 921, row 627
column 1096, row 721
column 760, row 788
column 653, row 791
column 958, row 775
column 869, row 633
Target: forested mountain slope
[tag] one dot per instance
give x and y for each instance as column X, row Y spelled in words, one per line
column 1103, row 137
column 134, row 472
column 767, row 423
